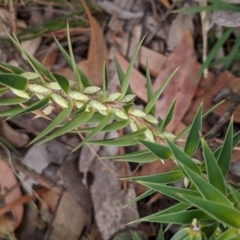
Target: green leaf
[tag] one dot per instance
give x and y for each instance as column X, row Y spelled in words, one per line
column 33, row 107
column 105, row 81
column 230, row 234
column 208, row 191
column 121, row 75
column 3, row 90
column 172, row 192
column 160, row 235
column 7, row 68
column 168, row 117
column 96, row 130
column 193, row 138
column 160, row 151
column 62, row 81
column 12, row 111
column 132, row 154
column 55, row 123
column 127, row 76
column 235, row 194
column 214, row 51
column 150, row 92
column 183, row 158
column 86, row 82
column 140, row 159
column 115, row 142
column 73, row 63
column 74, row 123
column 224, row 158
column 12, row 101
column 142, row 196
column 183, row 234
column 214, row 174
column 13, row 81
column 182, row 217
column 222, row 213
column 156, row 96
column 163, row 178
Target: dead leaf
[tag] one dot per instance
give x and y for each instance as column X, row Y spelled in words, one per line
column 182, row 86
column 98, row 51
column 49, row 59
column 69, row 218
column 14, row 137
column 7, row 182
column 154, row 59
column 166, row 3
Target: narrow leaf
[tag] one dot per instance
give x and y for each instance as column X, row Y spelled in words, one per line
column 208, row 191
column 13, row 81
column 55, row 123
column 225, row 156
column 222, row 213
column 168, row 117
column 193, row 138
column 161, row 151
column 96, row 130
column 214, row 174
column 12, row 101
column 86, row 82
column 105, row 81
column 160, row 235
column 150, row 92
column 154, row 99
column 74, row 123
column 132, row 154
column 146, row 158
column 127, row 76
column 183, row 158
column 230, row 234
column 7, row 68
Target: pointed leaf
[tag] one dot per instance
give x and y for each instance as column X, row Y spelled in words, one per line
column 86, row 82
column 127, row 76
column 183, row 158
column 225, row 214
column 121, row 75
column 74, row 123
column 12, row 101
column 12, row 111
column 62, row 81
column 142, row 196
column 115, row 142
column 172, row 192
column 161, row 151
column 55, row 123
column 122, row 156
column 167, row 118
column 156, row 96
column 74, row 66
column 105, row 81
column 207, row 190
column 13, row 81
column 193, row 138
column 168, row 177
column 33, row 107
column 160, row 235
column 225, row 156
column 96, row 130
column 230, row 234
column 146, row 158
column 7, row 68
column 150, row 92
column 214, row 174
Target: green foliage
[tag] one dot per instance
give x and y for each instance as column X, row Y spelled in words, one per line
column 207, row 208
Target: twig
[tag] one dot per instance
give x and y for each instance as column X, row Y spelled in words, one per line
column 225, row 117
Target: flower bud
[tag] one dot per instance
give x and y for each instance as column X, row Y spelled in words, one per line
column 20, row 93
column 60, row 100
column 113, row 97
column 91, row 89
column 137, row 112
column 77, row 96
column 35, row 88
column 97, row 105
column 53, row 86
column 128, row 98
column 120, row 113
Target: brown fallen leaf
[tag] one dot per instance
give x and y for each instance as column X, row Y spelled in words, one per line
column 166, row 3
column 154, row 59
column 49, row 59
column 98, row 51
column 182, row 86
column 8, row 182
